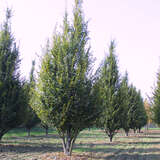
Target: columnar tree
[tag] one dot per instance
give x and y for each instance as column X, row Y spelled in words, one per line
column 12, row 95
column 64, row 93
column 138, row 116
column 125, row 102
column 156, row 101
column 32, row 119
column 110, row 93
column 142, row 115
column 148, row 108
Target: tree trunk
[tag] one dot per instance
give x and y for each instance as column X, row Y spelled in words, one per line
column 139, row 130
column 29, row 132
column 46, row 131
column 1, row 135
column 147, row 127
column 134, row 130
column 68, row 143
column 67, row 147
column 126, row 133
column 110, row 138
column 110, row 134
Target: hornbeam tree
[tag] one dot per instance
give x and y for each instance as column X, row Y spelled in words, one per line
column 125, row 102
column 32, row 119
column 137, row 115
column 149, row 109
column 12, row 95
column 64, row 95
column 110, row 94
column 156, row 101
column 142, row 114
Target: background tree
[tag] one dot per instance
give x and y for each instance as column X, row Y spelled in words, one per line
column 156, row 101
column 138, row 116
column 110, row 92
column 148, row 108
column 46, row 127
column 64, row 93
column 12, row 94
column 142, row 115
column 32, row 119
column 125, row 102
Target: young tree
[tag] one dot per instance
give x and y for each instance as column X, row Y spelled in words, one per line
column 12, row 94
column 64, row 93
column 110, row 93
column 32, row 119
column 138, row 116
column 142, row 115
column 148, row 108
column 156, row 101
column 125, row 102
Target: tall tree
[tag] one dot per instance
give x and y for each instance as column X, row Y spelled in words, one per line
column 125, row 102
column 156, row 101
column 12, row 95
column 32, row 119
column 142, row 115
column 64, row 94
column 110, row 92
column 138, row 116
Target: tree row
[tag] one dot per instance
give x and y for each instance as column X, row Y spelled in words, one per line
column 65, row 93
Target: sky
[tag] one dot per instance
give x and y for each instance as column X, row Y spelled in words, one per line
column 134, row 24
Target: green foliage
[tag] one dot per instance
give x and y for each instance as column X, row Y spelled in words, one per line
column 156, row 101
column 31, row 119
column 64, row 93
column 137, row 115
column 110, row 93
column 142, row 116
column 125, row 104
column 12, row 94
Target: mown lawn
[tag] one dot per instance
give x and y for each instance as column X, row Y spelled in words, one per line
column 91, row 144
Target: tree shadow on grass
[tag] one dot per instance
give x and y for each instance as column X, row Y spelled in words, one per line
column 102, row 135
column 97, row 151
column 144, row 143
column 50, row 136
column 30, row 148
column 109, row 152
column 145, row 137
column 133, row 157
column 107, row 148
column 100, row 150
column 30, row 144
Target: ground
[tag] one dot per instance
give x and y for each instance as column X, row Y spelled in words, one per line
column 91, row 144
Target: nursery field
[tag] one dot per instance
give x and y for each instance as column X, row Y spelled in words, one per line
column 90, row 145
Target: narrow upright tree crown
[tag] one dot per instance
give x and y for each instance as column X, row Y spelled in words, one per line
column 156, row 101
column 137, row 114
column 64, row 94
column 12, row 99
column 31, row 120
column 109, row 89
column 125, row 102
column 9, row 53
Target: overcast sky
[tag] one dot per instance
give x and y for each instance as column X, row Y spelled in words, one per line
column 134, row 24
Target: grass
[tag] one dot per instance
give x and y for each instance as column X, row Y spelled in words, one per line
column 90, row 144
column 21, row 132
